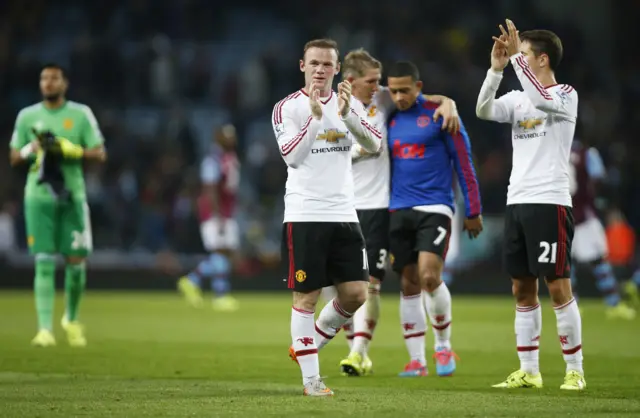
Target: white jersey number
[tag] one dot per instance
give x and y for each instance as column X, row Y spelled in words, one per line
column 382, row 260
column 442, row 233
column 365, row 261
column 548, row 254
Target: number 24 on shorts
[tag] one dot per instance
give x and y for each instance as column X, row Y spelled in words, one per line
column 549, row 251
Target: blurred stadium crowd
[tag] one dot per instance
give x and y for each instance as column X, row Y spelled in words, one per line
column 162, row 74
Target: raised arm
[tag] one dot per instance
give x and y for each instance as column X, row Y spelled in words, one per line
column 295, row 138
column 563, row 102
column 352, row 114
column 490, row 108
column 367, row 136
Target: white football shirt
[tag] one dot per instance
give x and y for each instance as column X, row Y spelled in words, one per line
column 543, row 122
column 319, row 184
column 371, row 171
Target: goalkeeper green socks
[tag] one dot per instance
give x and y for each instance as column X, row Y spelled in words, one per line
column 44, row 286
column 75, row 278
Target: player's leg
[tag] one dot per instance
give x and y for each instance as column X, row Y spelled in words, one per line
column 528, row 317
column 329, row 293
column 190, row 285
column 221, row 263
column 453, row 250
column 632, row 287
column 304, row 257
column 76, row 243
column 365, row 321
column 549, row 229
column 40, row 217
column 375, row 229
column 589, row 247
column 413, row 319
column 347, row 268
column 432, row 242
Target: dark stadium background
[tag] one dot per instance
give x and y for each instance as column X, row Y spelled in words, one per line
column 161, row 74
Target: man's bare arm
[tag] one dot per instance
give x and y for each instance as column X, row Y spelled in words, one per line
column 96, row 154
column 19, row 156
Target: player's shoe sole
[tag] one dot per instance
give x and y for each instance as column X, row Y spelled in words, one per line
column 352, row 365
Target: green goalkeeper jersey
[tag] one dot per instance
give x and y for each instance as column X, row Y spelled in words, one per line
column 73, row 121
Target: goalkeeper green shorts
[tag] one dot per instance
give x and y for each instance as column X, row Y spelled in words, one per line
column 58, row 227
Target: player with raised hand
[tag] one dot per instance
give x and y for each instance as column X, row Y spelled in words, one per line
column 322, row 243
column 371, row 182
column 55, row 136
column 538, row 219
column 423, row 159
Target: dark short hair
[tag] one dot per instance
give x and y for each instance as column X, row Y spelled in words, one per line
column 404, row 69
column 54, row 66
column 544, row 42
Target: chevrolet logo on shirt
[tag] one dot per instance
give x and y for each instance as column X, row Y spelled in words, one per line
column 331, row 135
column 530, row 123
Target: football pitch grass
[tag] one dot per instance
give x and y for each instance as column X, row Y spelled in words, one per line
column 149, row 355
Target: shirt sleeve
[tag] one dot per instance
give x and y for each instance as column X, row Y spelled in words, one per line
column 490, row 108
column 459, row 148
column 364, row 133
column 91, row 134
column 562, row 102
column 573, row 179
column 209, row 171
column 295, row 138
column 21, row 134
column 594, row 165
column 383, row 100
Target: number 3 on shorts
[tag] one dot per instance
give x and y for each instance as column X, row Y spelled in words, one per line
column 382, row 260
column 548, row 254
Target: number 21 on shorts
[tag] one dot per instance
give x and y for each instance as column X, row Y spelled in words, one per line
column 548, row 252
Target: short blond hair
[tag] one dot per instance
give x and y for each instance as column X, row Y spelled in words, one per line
column 357, row 62
column 323, row 43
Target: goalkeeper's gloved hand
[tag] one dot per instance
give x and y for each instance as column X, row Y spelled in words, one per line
column 68, row 149
column 59, row 145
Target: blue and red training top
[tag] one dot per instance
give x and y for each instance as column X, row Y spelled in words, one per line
column 423, row 158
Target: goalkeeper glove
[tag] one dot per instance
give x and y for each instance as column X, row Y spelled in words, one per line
column 68, row 149
column 59, row 145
